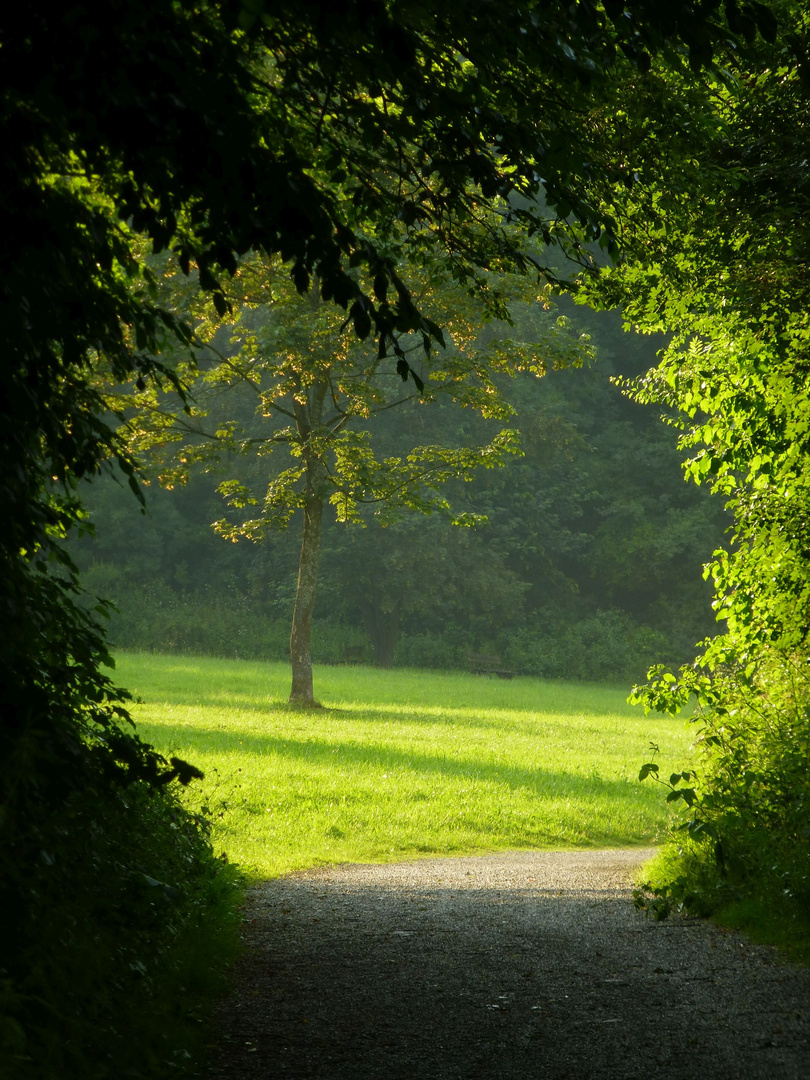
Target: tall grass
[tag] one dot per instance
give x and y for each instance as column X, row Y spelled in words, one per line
column 403, row 763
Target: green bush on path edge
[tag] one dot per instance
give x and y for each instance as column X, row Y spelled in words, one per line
column 129, row 924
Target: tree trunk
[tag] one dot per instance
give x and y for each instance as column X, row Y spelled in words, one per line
column 383, row 629
column 384, row 639
column 308, row 409
column 302, row 692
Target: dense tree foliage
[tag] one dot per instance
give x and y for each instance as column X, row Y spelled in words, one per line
column 728, row 273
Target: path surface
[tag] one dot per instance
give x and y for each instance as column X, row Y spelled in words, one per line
column 507, row 967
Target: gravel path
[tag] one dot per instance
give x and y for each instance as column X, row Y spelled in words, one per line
column 507, row 967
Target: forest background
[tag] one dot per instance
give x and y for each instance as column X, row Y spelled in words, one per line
column 588, row 564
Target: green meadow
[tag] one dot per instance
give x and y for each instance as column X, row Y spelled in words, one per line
column 403, row 764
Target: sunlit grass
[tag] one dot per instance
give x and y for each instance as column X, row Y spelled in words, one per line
column 403, row 763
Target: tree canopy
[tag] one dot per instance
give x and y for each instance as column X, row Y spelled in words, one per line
column 727, row 275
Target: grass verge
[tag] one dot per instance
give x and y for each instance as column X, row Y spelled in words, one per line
column 687, row 874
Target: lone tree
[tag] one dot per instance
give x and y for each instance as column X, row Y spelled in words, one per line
column 297, row 383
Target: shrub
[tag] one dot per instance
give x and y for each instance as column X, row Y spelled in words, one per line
column 446, row 651
column 127, row 924
column 747, row 810
column 604, row 646
column 607, row 645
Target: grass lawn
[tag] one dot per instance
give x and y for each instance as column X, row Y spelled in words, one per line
column 400, row 764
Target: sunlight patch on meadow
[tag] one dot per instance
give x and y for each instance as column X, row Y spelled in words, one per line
column 402, row 764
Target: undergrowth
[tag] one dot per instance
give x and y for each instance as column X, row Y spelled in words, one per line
column 128, row 924
column 606, row 645
column 740, row 852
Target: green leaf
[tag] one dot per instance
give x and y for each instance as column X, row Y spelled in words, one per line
column 436, row 332
column 361, row 318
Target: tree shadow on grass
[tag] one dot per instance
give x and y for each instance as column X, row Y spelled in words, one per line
column 380, row 758
column 386, row 715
